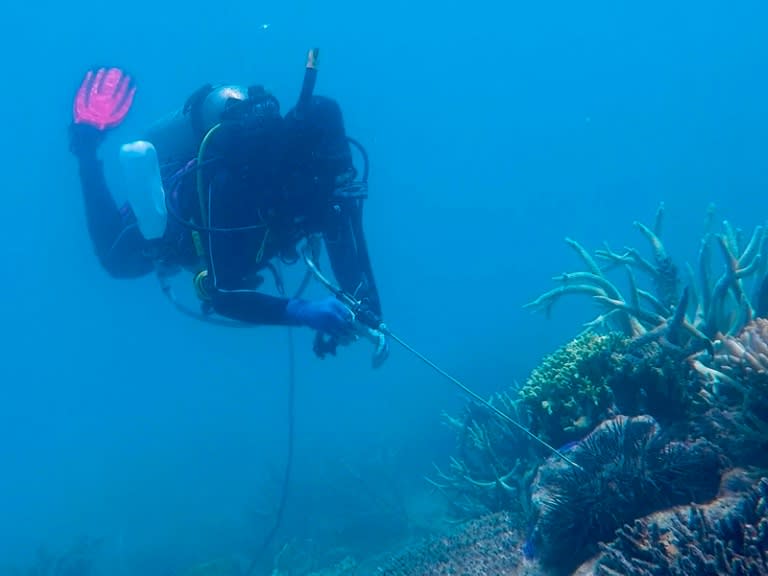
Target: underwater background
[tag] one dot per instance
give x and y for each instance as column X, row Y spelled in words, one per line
column 495, row 130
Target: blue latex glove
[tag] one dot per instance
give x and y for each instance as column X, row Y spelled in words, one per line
column 327, row 315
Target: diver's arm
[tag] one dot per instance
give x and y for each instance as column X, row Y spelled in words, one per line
column 115, row 236
column 348, row 252
column 250, row 306
column 321, row 130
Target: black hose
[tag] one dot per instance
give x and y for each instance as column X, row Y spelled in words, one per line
column 289, row 457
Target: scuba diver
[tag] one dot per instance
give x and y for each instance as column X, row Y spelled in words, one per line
column 224, row 188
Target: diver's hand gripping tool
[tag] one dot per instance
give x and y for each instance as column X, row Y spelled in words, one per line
column 374, row 325
column 371, row 326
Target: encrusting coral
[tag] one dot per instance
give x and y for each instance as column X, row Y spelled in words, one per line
column 628, row 470
column 728, row 536
column 489, row 545
column 568, row 394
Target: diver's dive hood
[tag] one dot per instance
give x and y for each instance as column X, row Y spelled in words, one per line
column 214, row 106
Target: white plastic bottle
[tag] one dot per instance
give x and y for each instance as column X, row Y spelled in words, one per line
column 144, row 187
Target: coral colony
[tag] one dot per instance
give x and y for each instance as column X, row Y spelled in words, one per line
column 662, row 400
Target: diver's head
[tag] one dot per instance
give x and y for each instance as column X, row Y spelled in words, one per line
column 219, row 100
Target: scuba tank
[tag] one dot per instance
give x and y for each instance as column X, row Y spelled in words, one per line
column 177, row 136
column 144, row 187
column 173, row 141
column 167, row 146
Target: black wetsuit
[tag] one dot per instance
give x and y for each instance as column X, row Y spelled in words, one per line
column 282, row 176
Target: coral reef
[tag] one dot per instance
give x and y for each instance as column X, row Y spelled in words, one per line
column 739, row 365
column 666, row 326
column 729, row 536
column 561, row 401
column 628, row 470
column 661, row 316
column 663, row 333
column 489, row 545
column 735, row 392
column 653, row 380
column 635, row 358
column 494, row 466
column 664, row 390
column 568, row 393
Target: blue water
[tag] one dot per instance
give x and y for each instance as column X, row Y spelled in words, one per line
column 495, row 130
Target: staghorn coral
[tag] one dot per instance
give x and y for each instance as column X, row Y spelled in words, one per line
column 629, row 470
column 494, row 466
column 656, row 380
column 489, row 545
column 734, row 388
column 720, row 306
column 729, row 536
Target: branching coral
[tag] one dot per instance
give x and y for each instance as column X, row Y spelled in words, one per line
column 701, row 540
column 656, row 380
column 494, row 466
column 735, row 389
column 628, row 470
column 720, row 306
column 739, row 367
